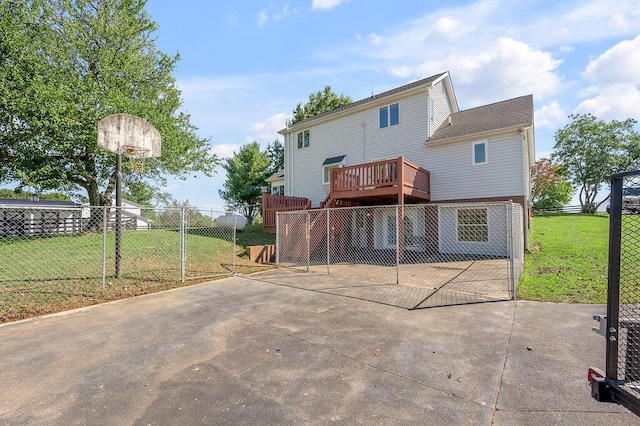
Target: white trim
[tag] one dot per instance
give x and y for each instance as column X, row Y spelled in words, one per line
column 331, row 166
column 486, row 153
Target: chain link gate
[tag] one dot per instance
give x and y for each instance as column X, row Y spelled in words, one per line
column 412, row 256
column 621, row 381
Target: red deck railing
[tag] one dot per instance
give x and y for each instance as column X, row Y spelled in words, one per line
column 397, row 172
column 280, row 203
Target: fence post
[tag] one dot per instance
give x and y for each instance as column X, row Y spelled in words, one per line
column 328, row 243
column 104, row 245
column 397, row 246
column 308, row 235
column 233, row 243
column 277, row 240
column 613, row 278
column 510, row 250
column 183, row 243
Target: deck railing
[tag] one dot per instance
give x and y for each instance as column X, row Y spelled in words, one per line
column 379, row 174
column 280, row 203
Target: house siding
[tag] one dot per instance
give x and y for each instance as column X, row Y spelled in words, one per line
column 359, row 137
column 454, row 177
column 497, row 244
column 442, row 106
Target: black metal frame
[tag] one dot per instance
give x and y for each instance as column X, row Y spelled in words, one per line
column 611, row 387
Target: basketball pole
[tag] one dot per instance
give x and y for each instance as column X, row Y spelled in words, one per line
column 118, row 212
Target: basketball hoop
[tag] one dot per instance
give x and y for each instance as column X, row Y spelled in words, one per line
column 136, row 156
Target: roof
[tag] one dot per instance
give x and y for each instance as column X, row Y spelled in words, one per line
column 512, row 113
column 40, row 204
column 373, row 98
column 333, row 160
column 277, row 175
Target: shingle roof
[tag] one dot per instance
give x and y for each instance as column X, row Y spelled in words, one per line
column 41, row 203
column 277, row 175
column 406, row 87
column 501, row 115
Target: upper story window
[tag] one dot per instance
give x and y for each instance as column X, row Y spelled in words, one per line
column 480, row 153
column 303, row 139
column 389, row 115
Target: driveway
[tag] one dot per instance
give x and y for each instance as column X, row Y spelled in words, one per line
column 254, row 350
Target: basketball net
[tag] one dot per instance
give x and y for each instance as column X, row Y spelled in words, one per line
column 136, row 156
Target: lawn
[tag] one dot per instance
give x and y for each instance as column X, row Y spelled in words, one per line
column 44, row 275
column 567, row 259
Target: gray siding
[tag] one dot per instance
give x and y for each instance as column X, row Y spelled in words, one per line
column 359, row 137
column 442, row 107
column 454, row 177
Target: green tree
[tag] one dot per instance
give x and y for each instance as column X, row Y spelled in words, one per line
column 275, row 152
column 591, row 150
column 319, row 102
column 247, row 172
column 550, row 187
column 64, row 65
column 18, row 194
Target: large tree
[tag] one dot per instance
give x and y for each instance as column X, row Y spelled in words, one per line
column 590, row 150
column 319, row 102
column 550, row 187
column 64, row 65
column 275, row 152
column 247, row 172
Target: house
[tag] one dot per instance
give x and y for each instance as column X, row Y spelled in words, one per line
column 276, row 181
column 131, row 216
column 35, row 217
column 412, row 145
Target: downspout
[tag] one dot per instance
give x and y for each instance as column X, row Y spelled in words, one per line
column 364, row 142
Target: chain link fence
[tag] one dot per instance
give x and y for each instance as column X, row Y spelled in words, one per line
column 414, row 256
column 622, row 330
column 65, row 253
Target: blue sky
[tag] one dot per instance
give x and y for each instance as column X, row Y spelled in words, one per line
column 246, row 64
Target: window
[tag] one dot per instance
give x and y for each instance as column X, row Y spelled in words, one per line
column 303, row 139
column 389, row 115
column 326, row 172
column 473, row 225
column 480, row 154
column 277, row 190
column 330, row 164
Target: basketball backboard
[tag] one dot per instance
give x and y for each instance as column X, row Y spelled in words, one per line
column 120, row 133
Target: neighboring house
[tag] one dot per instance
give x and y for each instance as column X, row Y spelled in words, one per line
column 276, row 181
column 413, row 145
column 131, row 216
column 35, row 217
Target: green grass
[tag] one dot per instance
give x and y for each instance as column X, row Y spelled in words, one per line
column 567, row 261
column 252, row 235
column 44, row 275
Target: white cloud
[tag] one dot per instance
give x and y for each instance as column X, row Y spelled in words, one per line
column 274, row 14
column 616, row 101
column 550, row 116
column 582, row 21
column 620, row 64
column 451, row 28
column 267, row 130
column 262, row 17
column 225, row 150
column 326, row 4
column 501, row 69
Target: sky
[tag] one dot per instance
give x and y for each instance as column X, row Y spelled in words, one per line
column 246, row 64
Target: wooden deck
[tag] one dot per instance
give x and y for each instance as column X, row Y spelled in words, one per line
column 395, row 181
